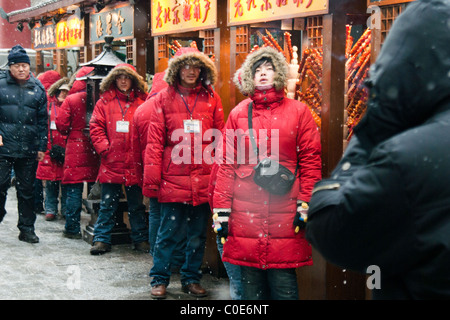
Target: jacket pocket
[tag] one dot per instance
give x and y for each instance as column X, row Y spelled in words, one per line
column 244, row 171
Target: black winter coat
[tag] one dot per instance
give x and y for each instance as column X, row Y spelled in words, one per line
column 23, row 117
column 387, row 203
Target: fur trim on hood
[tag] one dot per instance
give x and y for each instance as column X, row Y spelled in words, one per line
column 52, row 91
column 243, row 78
column 191, row 56
column 124, row 69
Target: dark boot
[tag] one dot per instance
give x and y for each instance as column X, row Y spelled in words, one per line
column 72, row 235
column 142, row 246
column 100, row 248
column 28, row 236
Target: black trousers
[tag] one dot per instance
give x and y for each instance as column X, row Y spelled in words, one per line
column 25, row 171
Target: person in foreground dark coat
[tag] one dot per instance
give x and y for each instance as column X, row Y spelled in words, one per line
column 23, row 138
column 387, row 203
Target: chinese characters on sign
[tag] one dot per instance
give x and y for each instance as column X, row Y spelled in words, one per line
column 244, row 11
column 170, row 16
column 70, row 33
column 116, row 22
column 45, row 37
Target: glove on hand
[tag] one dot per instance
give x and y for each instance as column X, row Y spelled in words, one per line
column 301, row 216
column 221, row 224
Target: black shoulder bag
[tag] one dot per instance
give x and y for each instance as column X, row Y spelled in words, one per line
column 269, row 174
column 57, row 152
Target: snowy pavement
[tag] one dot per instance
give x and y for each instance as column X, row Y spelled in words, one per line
column 58, row 268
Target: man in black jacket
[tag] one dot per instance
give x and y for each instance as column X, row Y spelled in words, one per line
column 386, row 206
column 23, row 136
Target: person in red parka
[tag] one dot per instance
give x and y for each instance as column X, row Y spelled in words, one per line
column 181, row 114
column 81, row 162
column 47, row 78
column 141, row 120
column 123, row 91
column 51, row 170
column 261, row 227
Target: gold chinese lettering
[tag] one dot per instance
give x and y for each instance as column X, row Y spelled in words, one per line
column 119, row 22
column 99, row 29
column 109, row 23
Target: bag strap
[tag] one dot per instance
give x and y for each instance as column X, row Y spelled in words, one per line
column 250, row 129
column 252, row 138
column 49, row 122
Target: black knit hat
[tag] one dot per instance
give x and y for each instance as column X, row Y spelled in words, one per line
column 18, row 55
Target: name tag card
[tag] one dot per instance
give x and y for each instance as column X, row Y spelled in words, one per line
column 123, row 126
column 192, row 126
column 52, row 125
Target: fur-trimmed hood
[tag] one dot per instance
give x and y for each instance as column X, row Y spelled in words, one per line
column 243, row 78
column 124, row 69
column 191, row 56
column 79, row 85
column 48, row 78
column 52, row 91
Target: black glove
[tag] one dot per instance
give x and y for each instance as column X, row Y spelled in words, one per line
column 301, row 216
column 221, row 224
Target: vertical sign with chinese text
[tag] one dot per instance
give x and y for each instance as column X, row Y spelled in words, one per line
column 246, row 11
column 171, row 16
column 44, row 37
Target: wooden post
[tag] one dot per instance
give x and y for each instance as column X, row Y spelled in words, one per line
column 340, row 283
column 333, row 90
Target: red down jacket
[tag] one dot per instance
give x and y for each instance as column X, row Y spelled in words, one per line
column 81, row 161
column 261, row 232
column 141, row 120
column 115, row 148
column 179, row 182
column 174, row 181
column 49, row 169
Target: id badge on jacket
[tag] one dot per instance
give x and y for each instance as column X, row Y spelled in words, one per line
column 52, row 125
column 192, row 126
column 123, row 126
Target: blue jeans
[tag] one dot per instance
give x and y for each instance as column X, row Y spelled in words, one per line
column 270, row 284
column 154, row 223
column 178, row 221
column 234, row 274
column 74, row 194
column 108, row 206
column 52, row 197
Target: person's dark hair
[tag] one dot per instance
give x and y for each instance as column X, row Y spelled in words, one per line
column 261, row 62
